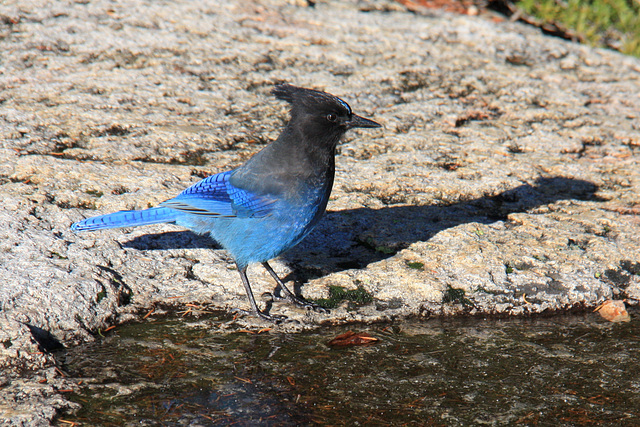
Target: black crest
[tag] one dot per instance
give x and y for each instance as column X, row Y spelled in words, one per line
column 309, row 98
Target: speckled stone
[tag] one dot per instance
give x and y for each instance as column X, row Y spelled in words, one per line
column 505, row 180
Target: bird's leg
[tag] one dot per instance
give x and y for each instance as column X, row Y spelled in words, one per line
column 252, row 300
column 290, row 295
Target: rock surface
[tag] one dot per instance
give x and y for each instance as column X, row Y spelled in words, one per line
column 505, row 181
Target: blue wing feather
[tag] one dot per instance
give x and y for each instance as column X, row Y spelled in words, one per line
column 215, row 196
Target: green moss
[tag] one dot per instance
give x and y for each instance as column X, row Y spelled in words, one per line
column 370, row 243
column 415, row 265
column 338, row 294
column 456, row 296
column 385, row 250
column 96, row 193
column 100, row 296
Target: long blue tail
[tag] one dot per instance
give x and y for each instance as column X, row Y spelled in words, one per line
column 127, row 219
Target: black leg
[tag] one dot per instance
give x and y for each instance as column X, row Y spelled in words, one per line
column 252, row 300
column 290, row 295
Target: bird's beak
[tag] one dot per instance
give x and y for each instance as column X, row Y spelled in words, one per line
column 360, row 122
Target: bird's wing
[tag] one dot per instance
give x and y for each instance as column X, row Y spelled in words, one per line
column 215, row 196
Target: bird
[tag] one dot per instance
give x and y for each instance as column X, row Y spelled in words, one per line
column 270, row 203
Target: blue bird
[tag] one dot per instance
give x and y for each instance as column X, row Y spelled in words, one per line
column 269, row 204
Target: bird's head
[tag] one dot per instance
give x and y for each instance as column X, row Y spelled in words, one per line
column 320, row 115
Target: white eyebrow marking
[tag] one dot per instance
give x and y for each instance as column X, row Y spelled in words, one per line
column 345, row 105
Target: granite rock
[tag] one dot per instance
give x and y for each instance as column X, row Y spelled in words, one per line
column 505, row 180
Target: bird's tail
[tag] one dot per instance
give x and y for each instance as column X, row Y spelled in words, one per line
column 127, row 219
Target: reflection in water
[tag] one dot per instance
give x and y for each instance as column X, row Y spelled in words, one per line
column 566, row 370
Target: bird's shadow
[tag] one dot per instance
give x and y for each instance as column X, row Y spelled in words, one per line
column 354, row 238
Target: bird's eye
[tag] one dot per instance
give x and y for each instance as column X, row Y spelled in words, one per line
column 332, row 117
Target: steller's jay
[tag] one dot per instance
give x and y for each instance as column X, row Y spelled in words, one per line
column 269, row 204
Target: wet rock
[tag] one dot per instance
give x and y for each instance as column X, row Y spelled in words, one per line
column 33, row 399
column 505, row 180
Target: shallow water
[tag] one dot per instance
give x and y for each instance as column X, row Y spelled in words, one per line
column 564, row 370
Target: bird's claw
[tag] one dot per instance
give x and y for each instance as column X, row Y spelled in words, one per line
column 275, row 318
column 308, row 305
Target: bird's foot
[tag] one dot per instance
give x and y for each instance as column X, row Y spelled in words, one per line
column 286, row 293
column 275, row 318
column 308, row 305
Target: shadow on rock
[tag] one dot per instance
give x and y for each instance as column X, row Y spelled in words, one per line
column 46, row 341
column 172, row 240
column 357, row 237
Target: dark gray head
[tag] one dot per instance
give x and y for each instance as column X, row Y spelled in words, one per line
column 320, row 115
